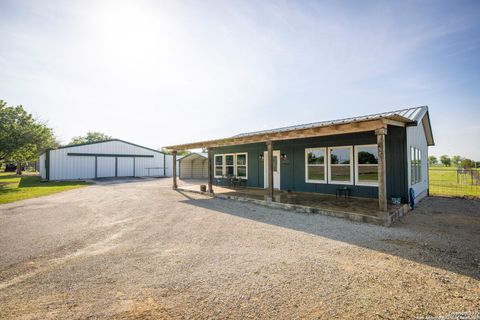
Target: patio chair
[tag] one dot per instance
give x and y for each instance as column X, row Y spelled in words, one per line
column 239, row 182
column 230, row 180
column 218, row 181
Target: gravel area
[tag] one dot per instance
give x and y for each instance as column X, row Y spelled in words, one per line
column 138, row 249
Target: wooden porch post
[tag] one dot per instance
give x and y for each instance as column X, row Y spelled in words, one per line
column 209, row 170
column 174, row 174
column 382, row 175
column 271, row 195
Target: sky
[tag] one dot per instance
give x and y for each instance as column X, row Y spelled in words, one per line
column 158, row 73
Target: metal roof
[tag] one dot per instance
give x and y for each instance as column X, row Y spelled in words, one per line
column 410, row 114
column 407, row 116
column 108, row 140
column 194, row 154
column 104, row 141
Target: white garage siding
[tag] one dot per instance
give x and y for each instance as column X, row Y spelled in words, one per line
column 62, row 168
column 193, row 166
column 169, row 165
column 125, row 167
column 104, row 159
column 145, row 167
column 41, row 166
column 105, row 167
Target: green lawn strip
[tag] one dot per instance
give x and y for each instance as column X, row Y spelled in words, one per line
column 14, row 188
column 443, row 181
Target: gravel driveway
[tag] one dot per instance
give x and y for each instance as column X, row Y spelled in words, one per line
column 138, row 249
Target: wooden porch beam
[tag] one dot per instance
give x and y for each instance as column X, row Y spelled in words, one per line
column 174, row 174
column 393, row 123
column 271, row 196
column 209, row 170
column 382, row 176
column 361, row 126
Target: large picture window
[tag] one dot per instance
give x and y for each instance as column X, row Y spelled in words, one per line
column 315, row 166
column 340, row 165
column 366, row 172
column 416, row 165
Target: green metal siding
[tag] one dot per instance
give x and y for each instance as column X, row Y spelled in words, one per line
column 255, row 165
column 396, row 163
column 292, row 169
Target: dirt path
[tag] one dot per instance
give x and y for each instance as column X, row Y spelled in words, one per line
column 142, row 250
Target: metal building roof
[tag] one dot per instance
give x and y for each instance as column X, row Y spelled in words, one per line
column 406, row 116
column 195, row 155
column 414, row 114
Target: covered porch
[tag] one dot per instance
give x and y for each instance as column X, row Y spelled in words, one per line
column 362, row 209
column 352, row 208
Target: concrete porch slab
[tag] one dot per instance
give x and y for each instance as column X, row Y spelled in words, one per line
column 355, row 209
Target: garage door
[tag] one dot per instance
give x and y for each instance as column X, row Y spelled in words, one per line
column 125, row 167
column 105, row 167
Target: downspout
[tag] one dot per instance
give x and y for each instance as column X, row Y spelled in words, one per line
column 96, row 167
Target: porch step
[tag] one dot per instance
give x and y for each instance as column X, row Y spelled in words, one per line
column 354, row 216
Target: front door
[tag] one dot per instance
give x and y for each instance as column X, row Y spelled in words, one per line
column 276, row 169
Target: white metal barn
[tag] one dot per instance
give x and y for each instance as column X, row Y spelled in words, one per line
column 110, row 158
column 193, row 166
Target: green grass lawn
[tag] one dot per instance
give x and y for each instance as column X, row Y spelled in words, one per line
column 14, row 188
column 443, row 181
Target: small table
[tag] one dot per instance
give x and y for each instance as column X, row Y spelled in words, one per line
column 343, row 190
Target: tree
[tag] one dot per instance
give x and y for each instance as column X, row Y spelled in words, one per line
column 365, row 157
column 91, row 136
column 22, row 137
column 432, row 160
column 445, row 160
column 179, row 153
column 456, row 160
column 467, row 163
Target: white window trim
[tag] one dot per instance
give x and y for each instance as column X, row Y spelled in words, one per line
column 246, row 165
column 307, row 150
column 414, row 151
column 225, row 163
column 357, row 181
column 215, row 165
column 330, row 166
column 419, row 165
